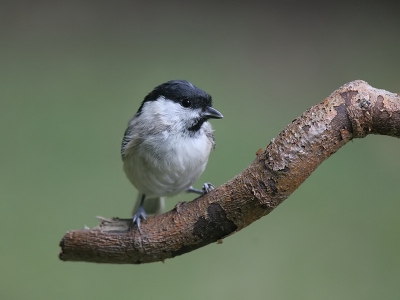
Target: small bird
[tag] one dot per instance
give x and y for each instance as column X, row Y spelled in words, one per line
column 167, row 144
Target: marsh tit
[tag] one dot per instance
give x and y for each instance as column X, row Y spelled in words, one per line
column 167, row 143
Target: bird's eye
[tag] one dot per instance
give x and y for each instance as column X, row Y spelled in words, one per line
column 186, row 103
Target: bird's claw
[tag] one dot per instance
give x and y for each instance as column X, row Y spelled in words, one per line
column 207, row 187
column 140, row 214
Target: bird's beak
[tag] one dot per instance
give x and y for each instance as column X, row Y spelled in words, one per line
column 212, row 113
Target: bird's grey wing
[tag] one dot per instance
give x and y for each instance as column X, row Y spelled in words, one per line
column 211, row 137
column 125, row 141
column 130, row 136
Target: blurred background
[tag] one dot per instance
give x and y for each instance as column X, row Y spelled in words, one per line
column 73, row 73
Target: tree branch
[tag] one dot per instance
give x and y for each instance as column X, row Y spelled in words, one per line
column 352, row 111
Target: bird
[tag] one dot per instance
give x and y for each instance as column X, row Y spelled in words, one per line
column 167, row 144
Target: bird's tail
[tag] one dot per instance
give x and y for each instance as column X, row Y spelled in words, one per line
column 152, row 206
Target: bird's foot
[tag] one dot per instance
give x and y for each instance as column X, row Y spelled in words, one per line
column 138, row 216
column 207, row 187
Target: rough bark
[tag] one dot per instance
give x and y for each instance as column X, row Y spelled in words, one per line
column 352, row 111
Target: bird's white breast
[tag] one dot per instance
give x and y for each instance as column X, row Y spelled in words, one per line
column 166, row 164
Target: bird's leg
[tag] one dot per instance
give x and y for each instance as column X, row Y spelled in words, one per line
column 207, row 187
column 140, row 214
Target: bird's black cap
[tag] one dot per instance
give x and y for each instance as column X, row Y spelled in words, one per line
column 178, row 91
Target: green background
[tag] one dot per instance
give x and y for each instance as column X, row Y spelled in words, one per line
column 73, row 73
